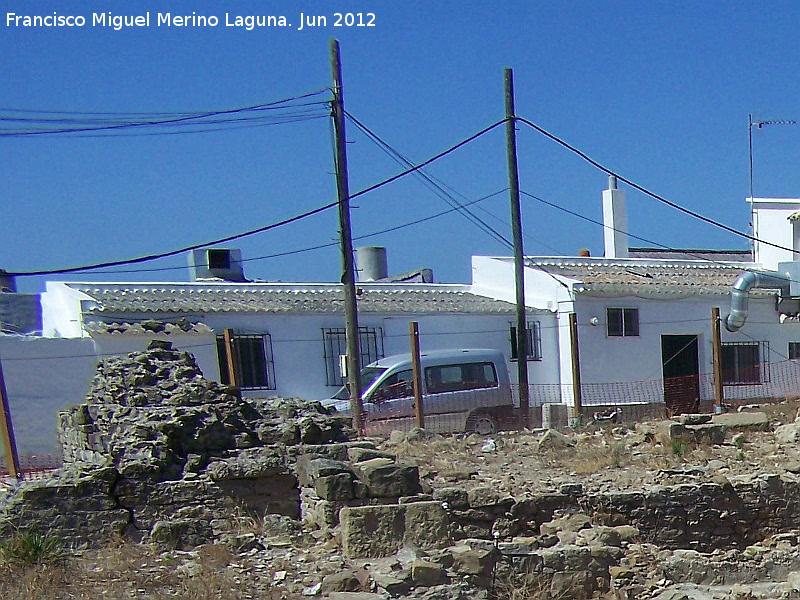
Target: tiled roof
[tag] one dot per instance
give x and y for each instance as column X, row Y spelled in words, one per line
column 636, row 276
column 690, row 254
column 194, row 298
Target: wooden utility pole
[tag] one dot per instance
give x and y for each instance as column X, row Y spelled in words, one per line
column 7, row 432
column 419, row 411
column 348, row 272
column 229, row 356
column 519, row 257
column 716, row 353
column 576, row 368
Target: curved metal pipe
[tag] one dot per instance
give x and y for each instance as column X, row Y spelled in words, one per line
column 740, row 295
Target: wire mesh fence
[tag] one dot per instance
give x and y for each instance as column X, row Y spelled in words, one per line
column 32, row 466
column 552, row 404
column 486, row 410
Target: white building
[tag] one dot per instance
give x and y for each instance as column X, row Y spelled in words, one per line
column 289, row 336
column 644, row 316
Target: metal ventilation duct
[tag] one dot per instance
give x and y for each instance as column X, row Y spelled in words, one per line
column 740, row 295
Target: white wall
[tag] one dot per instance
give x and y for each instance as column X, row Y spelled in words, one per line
column 493, row 276
column 298, row 349
column 770, row 223
column 44, row 376
column 61, row 311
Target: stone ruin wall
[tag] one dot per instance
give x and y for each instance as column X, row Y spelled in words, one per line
column 157, row 453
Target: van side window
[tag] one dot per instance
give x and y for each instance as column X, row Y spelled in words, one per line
column 465, row 376
column 399, row 385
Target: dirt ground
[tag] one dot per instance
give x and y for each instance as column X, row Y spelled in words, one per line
column 273, row 559
column 602, row 457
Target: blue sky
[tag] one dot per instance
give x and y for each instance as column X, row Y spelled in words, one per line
column 659, row 92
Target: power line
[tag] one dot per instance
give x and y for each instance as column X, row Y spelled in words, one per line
column 648, row 192
column 123, row 122
column 309, row 213
column 329, row 244
column 150, row 257
column 429, row 161
column 430, row 183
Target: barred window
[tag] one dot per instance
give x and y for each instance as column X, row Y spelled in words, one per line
column 252, row 360
column 794, row 350
column 745, row 363
column 622, row 322
column 370, row 343
column 533, row 341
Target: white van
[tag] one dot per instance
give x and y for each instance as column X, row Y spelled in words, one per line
column 463, row 390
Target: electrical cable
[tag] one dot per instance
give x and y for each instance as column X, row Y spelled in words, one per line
column 646, row 191
column 429, row 161
column 430, row 183
column 309, row 213
column 171, row 119
column 328, row 245
column 150, row 257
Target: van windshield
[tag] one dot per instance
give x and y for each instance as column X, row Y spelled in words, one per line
column 368, row 377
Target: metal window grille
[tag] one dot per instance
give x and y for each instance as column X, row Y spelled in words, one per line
column 370, row 343
column 745, row 363
column 253, row 361
column 533, row 341
column 794, row 350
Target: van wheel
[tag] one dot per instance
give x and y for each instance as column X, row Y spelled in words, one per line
column 482, row 424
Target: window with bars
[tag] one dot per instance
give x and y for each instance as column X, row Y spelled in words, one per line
column 745, row 363
column 794, row 350
column 622, row 322
column 370, row 343
column 533, row 341
column 252, row 358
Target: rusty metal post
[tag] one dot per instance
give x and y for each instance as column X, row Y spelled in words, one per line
column 577, row 408
column 716, row 353
column 229, row 356
column 7, row 431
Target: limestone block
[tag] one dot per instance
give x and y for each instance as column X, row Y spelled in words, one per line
column 472, row 560
column 426, row 526
column 602, row 536
column 357, row 455
column 426, row 574
column 336, row 487
column 309, row 468
column 181, row 534
column 372, row 531
column 554, row 440
column 574, row 522
column 387, row 479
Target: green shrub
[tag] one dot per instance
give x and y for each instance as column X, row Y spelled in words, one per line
column 27, row 548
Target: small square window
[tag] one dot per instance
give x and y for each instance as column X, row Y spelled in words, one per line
column 252, row 358
column 533, row 341
column 622, row 322
column 744, row 363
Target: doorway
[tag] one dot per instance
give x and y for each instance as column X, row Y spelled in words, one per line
column 681, row 369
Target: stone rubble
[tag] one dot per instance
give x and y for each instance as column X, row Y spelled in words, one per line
column 158, row 454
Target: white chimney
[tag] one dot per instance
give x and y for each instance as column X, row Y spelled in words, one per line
column 615, row 221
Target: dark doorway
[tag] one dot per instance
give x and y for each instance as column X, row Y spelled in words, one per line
column 679, row 360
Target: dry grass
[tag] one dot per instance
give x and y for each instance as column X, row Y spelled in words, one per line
column 525, row 586
column 127, row 570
